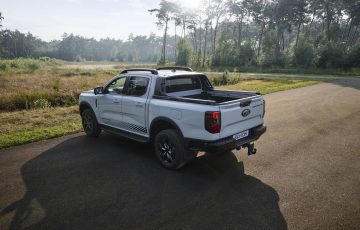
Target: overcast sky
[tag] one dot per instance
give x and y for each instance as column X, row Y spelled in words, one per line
column 49, row 19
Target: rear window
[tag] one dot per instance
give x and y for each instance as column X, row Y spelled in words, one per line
column 184, row 83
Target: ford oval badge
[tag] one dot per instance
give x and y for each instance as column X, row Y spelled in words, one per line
column 245, row 112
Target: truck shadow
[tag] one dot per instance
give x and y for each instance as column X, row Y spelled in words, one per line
column 112, row 183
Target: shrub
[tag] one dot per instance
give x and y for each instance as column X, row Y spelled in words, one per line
column 32, row 66
column 353, row 57
column 56, row 85
column 330, row 56
column 14, row 64
column 3, row 66
column 41, row 104
column 225, row 78
column 246, row 55
column 303, row 54
column 45, row 59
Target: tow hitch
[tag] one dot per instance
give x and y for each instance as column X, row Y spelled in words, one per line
column 251, row 148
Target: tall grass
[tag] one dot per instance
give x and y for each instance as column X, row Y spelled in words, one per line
column 26, row 65
column 58, row 86
column 26, row 99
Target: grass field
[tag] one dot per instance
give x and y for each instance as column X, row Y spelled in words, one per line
column 306, row 71
column 266, row 86
column 25, row 82
column 33, row 125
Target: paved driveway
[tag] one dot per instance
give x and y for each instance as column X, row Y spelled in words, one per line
column 306, row 175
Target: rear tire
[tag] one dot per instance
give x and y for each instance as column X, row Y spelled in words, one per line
column 90, row 124
column 169, row 149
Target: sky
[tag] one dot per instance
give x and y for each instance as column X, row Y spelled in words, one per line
column 49, row 19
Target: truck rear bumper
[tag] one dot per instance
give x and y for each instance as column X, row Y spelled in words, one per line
column 227, row 143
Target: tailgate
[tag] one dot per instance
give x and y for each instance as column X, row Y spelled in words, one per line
column 241, row 115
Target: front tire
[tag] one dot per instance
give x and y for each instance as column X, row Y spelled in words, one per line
column 169, row 149
column 90, row 124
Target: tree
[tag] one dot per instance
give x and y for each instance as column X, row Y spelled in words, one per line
column 219, row 9
column 2, row 51
column 207, row 21
column 330, row 55
column 184, row 53
column 301, row 10
column 353, row 57
column 352, row 9
column 261, row 11
column 164, row 14
column 237, row 9
column 303, row 53
column 1, row 18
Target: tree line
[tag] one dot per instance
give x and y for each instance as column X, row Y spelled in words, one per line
column 140, row 49
column 230, row 33
column 137, row 49
column 269, row 33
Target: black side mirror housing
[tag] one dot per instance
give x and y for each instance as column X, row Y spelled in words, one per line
column 99, row 90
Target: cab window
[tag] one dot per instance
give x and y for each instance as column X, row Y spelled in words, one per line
column 116, row 86
column 137, row 86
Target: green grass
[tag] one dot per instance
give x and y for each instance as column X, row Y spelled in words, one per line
column 289, row 70
column 38, row 134
column 271, row 85
column 26, row 126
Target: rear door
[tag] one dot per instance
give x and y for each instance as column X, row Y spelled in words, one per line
column 134, row 104
column 241, row 115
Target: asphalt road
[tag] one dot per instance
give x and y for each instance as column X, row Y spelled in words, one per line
column 306, row 175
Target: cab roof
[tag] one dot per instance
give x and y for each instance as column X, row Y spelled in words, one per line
column 164, row 71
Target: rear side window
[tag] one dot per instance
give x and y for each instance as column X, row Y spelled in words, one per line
column 183, row 83
column 137, row 86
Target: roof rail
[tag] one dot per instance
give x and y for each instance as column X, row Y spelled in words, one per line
column 174, row 68
column 153, row 71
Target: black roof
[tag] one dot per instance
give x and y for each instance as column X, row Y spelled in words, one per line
column 166, row 71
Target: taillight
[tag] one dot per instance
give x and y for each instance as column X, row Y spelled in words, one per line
column 213, row 122
column 263, row 108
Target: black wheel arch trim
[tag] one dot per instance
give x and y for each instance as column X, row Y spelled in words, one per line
column 85, row 103
column 164, row 119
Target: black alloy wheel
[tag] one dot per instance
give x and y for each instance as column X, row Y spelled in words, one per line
column 90, row 124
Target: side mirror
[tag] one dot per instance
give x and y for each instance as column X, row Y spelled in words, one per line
column 98, row 90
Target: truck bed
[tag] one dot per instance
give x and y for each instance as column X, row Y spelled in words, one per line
column 220, row 96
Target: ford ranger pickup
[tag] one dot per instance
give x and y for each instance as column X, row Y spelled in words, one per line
column 175, row 109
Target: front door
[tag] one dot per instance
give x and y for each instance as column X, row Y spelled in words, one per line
column 109, row 103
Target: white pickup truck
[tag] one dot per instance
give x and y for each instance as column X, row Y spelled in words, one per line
column 177, row 110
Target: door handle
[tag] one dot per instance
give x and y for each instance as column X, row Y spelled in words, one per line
column 139, row 104
column 116, row 101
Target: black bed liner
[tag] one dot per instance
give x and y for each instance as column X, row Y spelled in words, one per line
column 212, row 97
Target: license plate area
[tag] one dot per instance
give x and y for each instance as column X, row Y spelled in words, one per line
column 241, row 135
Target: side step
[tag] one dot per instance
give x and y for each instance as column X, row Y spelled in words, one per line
column 125, row 134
